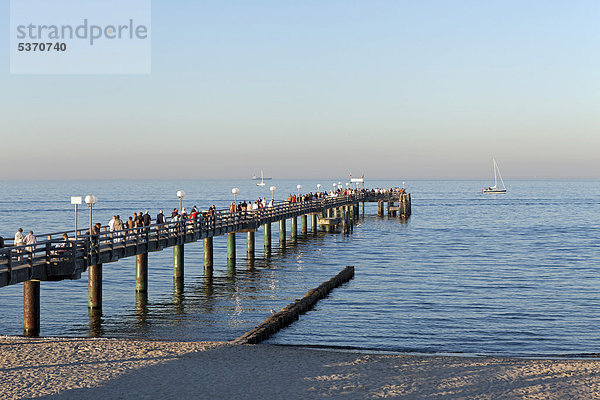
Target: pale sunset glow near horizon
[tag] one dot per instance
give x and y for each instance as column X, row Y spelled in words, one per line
column 417, row 90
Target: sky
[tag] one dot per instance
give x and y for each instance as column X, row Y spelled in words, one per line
column 320, row 88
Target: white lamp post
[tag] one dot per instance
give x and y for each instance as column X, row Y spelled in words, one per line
column 91, row 201
column 298, row 187
column 402, row 184
column 76, row 200
column 334, row 186
column 318, row 187
column 272, row 193
column 235, row 192
column 180, row 195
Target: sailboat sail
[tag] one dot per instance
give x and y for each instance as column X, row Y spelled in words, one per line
column 495, row 188
column 262, row 179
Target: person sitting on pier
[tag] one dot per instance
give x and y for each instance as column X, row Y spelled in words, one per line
column 63, row 246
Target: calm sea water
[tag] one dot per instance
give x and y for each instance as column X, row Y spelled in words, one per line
column 514, row 274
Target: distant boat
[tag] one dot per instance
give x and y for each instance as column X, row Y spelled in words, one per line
column 262, row 179
column 495, row 188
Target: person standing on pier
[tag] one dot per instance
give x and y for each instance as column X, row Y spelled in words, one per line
column 31, row 241
column 19, row 241
column 146, row 219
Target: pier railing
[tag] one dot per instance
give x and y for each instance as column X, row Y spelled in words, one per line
column 54, row 258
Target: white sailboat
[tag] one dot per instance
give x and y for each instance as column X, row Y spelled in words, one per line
column 262, row 179
column 495, row 188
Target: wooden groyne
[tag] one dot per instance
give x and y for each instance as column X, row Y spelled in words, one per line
column 292, row 312
column 53, row 258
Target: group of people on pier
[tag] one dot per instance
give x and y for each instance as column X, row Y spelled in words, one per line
column 136, row 223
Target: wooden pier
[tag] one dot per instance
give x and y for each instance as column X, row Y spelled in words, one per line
column 54, row 259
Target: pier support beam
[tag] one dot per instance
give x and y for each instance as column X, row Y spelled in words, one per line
column 282, row 233
column 208, row 253
column 267, row 239
column 31, row 308
column 141, row 272
column 314, row 224
column 95, row 287
column 303, row 225
column 250, row 245
column 294, row 228
column 231, row 248
column 363, row 210
column 380, row 207
column 178, row 261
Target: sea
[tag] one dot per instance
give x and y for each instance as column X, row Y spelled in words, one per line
column 515, row 274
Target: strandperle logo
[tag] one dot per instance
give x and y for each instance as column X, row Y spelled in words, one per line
column 85, row 31
column 80, row 37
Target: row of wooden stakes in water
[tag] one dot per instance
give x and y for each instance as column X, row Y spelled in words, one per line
column 291, row 313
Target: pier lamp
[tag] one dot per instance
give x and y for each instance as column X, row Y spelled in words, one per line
column 272, row 193
column 402, row 184
column 334, row 186
column 347, row 184
column 298, row 187
column 318, row 187
column 181, row 195
column 91, row 201
column 340, row 185
column 235, row 192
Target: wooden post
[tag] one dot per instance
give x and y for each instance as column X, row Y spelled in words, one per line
column 363, row 209
column 282, row 233
column 141, row 272
column 31, row 308
column 267, row 239
column 303, row 225
column 208, row 252
column 314, row 224
column 95, row 287
column 250, row 245
column 231, row 248
column 294, row 228
column 178, row 261
column 380, row 207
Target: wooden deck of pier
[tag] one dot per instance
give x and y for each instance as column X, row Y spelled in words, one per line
column 48, row 261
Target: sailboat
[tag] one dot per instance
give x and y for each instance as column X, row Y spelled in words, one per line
column 262, row 179
column 495, row 188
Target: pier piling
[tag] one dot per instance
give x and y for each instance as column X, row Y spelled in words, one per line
column 95, row 287
column 267, row 239
column 208, row 253
column 31, row 308
column 303, row 225
column 141, row 272
column 314, row 224
column 250, row 245
column 294, row 229
column 178, row 253
column 231, row 248
column 282, row 233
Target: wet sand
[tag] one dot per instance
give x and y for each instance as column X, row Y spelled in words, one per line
column 125, row 369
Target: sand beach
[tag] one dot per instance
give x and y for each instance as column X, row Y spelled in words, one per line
column 125, row 369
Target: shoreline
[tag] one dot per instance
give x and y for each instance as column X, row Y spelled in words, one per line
column 343, row 349
column 123, row 368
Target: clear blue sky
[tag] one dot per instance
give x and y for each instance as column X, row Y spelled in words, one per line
column 397, row 89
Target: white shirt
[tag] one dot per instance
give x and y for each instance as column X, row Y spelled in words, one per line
column 19, row 239
column 111, row 225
